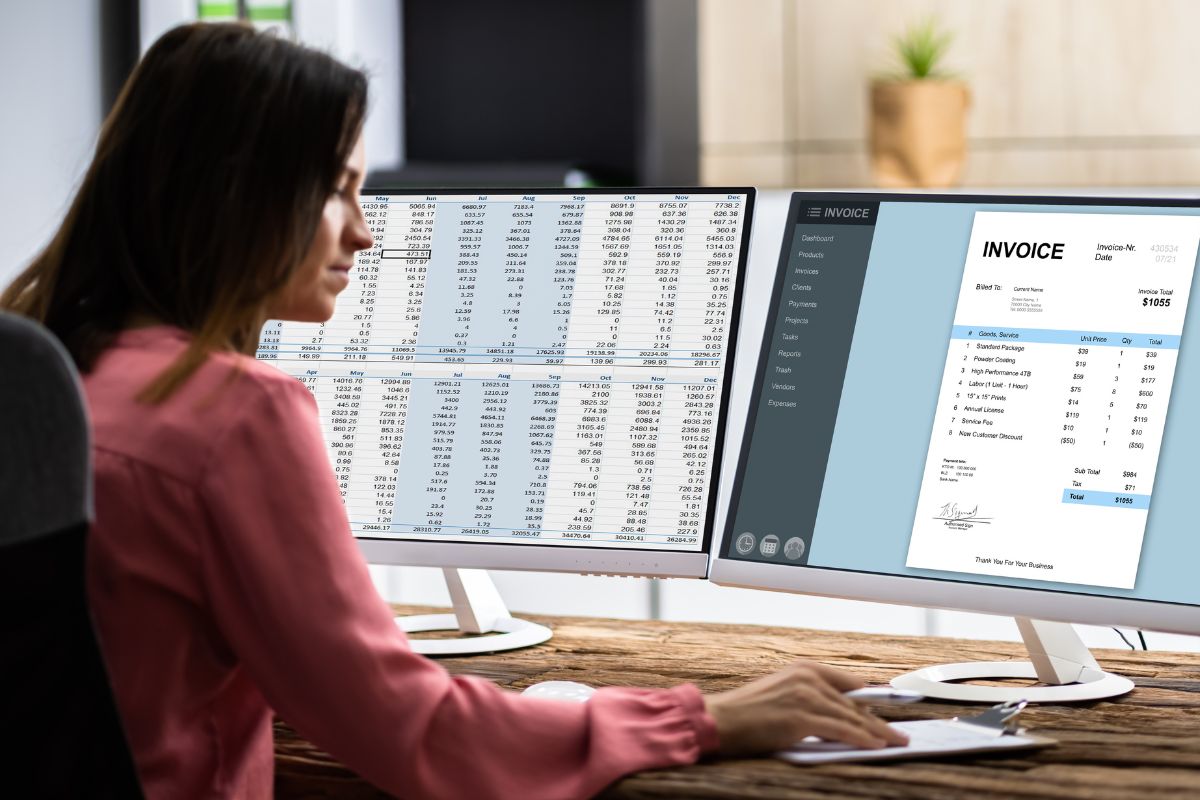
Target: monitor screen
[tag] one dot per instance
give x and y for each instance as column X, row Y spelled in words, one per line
column 542, row 367
column 982, row 390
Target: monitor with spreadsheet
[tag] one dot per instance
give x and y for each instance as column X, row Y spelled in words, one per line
column 532, row 379
column 981, row 403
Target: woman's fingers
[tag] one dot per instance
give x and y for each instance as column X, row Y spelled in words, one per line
column 811, row 698
column 839, row 679
column 855, row 717
column 802, row 700
column 880, row 728
column 812, row 695
column 835, row 730
column 836, row 682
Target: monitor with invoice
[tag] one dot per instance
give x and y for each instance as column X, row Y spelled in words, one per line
column 980, row 403
column 531, row 379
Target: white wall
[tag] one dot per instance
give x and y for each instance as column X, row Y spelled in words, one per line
column 1064, row 92
column 50, row 93
column 51, row 101
column 366, row 35
column 363, row 33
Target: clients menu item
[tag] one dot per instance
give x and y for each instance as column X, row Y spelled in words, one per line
column 1054, row 396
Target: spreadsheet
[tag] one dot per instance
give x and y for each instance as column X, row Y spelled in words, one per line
column 548, row 368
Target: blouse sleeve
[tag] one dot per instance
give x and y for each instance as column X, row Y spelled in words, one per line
column 292, row 595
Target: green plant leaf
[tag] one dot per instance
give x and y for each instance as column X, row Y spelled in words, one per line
column 921, row 48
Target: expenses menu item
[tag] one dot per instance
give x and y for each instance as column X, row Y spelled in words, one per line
column 540, row 368
column 1054, row 396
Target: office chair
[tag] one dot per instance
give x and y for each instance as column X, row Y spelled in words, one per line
column 63, row 735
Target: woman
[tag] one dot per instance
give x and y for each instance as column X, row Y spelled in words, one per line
column 222, row 574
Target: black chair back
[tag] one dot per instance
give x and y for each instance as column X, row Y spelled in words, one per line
column 63, row 735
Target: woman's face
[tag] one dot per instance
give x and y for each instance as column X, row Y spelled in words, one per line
column 310, row 294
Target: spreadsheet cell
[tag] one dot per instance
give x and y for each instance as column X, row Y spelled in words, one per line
column 543, row 368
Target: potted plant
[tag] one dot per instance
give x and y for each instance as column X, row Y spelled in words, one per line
column 918, row 116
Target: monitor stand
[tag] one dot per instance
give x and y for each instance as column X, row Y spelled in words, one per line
column 478, row 609
column 1058, row 658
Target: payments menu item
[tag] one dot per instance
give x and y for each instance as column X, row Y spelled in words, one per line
column 1054, row 396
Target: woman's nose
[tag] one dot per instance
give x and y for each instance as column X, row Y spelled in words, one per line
column 360, row 233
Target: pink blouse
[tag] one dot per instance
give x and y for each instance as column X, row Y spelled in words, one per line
column 225, row 584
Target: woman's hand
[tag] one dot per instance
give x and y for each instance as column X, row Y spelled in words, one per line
column 805, row 699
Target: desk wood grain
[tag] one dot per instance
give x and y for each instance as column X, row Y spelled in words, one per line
column 1146, row 744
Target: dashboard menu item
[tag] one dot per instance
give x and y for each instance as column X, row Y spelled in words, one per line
column 1054, row 396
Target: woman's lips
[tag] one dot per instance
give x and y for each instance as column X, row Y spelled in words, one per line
column 343, row 274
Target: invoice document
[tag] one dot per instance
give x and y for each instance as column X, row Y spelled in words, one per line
column 1054, row 396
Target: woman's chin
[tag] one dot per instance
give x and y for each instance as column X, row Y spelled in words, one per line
column 316, row 314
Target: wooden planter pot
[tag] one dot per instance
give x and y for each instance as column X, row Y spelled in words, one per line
column 918, row 132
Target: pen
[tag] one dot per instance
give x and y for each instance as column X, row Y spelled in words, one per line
column 884, row 694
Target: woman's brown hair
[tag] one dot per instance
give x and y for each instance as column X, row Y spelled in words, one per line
column 209, row 179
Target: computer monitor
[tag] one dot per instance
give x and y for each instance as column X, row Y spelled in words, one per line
column 980, row 403
column 530, row 379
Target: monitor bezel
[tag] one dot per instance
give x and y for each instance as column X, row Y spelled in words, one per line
column 931, row 592
column 571, row 558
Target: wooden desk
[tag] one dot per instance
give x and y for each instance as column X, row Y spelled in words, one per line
column 1145, row 744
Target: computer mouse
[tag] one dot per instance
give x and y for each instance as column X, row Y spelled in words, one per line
column 560, row 690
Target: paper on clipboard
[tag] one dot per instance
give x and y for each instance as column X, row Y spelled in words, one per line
column 931, row 737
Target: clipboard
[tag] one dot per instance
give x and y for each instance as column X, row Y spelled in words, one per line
column 991, row 731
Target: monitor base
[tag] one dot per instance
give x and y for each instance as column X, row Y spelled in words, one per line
column 1059, row 659
column 933, row 683
column 478, row 609
column 507, row 634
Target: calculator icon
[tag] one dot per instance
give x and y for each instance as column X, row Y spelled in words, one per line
column 769, row 546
